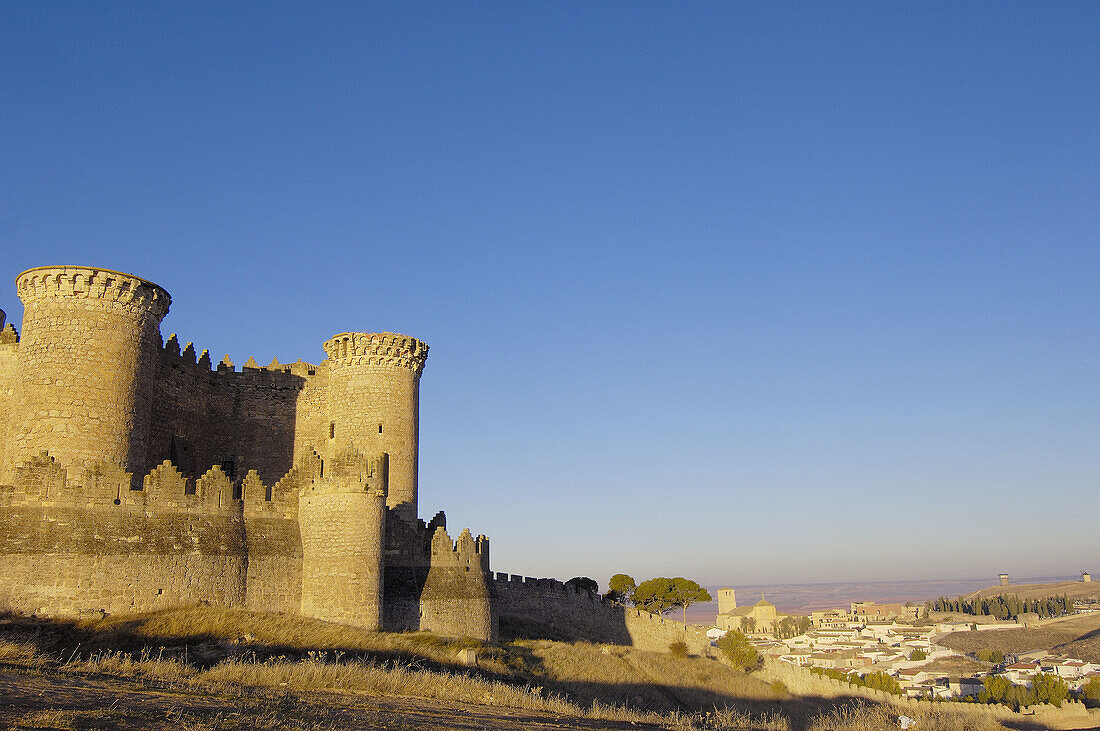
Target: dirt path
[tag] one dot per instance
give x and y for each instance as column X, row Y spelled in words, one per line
column 75, row 702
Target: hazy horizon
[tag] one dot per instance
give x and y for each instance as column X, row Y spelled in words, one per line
column 804, row 598
column 754, row 292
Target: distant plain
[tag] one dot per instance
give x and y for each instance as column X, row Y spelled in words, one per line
column 805, row 598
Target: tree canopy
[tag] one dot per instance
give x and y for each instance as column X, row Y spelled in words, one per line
column 583, row 582
column 621, row 588
column 662, row 595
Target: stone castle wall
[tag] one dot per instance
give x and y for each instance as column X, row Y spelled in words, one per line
column 562, row 612
column 456, row 598
column 99, row 544
column 240, row 420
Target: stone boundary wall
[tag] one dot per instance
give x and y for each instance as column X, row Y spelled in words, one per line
column 567, row 613
column 800, row 681
column 99, row 544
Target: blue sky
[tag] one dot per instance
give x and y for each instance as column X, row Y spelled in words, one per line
column 751, row 293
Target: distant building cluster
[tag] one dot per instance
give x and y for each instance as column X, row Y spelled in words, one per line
column 759, row 617
column 894, row 639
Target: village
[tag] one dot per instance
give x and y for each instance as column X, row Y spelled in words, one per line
column 901, row 641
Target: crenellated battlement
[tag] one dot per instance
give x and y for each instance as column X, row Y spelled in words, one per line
column 392, row 349
column 8, row 334
column 202, row 364
column 466, row 552
column 92, row 283
column 43, row 482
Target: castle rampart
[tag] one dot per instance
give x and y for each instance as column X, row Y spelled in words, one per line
column 549, row 608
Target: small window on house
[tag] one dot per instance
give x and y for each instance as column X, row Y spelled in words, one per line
column 332, row 430
column 379, row 428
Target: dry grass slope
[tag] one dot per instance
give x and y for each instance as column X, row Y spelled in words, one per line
column 218, row 655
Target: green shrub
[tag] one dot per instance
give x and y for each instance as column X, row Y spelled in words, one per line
column 736, row 648
column 1091, row 691
column 678, row 649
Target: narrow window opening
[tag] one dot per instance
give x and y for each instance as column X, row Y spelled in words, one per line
column 379, row 428
column 267, row 494
column 332, row 430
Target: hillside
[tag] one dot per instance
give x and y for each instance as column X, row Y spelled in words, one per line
column 1072, row 589
column 1077, row 636
column 206, row 669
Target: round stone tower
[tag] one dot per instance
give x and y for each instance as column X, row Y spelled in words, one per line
column 83, row 379
column 374, row 405
column 342, row 520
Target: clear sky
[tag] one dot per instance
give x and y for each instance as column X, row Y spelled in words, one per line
column 741, row 292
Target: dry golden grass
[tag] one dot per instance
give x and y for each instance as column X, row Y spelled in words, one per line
column 251, row 717
column 638, row 679
column 217, row 653
column 865, row 717
column 146, row 664
column 20, row 652
column 284, row 632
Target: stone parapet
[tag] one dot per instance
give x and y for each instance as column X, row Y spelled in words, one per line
column 92, row 283
column 391, row 349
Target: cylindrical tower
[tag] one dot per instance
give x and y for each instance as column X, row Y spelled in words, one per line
column 342, row 518
column 374, row 405
column 83, row 380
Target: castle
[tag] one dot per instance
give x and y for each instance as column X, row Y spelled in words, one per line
column 134, row 475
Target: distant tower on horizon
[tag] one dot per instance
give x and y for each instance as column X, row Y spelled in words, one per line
column 727, row 600
column 1003, row 578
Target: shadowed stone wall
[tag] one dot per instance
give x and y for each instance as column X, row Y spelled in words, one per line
column 548, row 608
